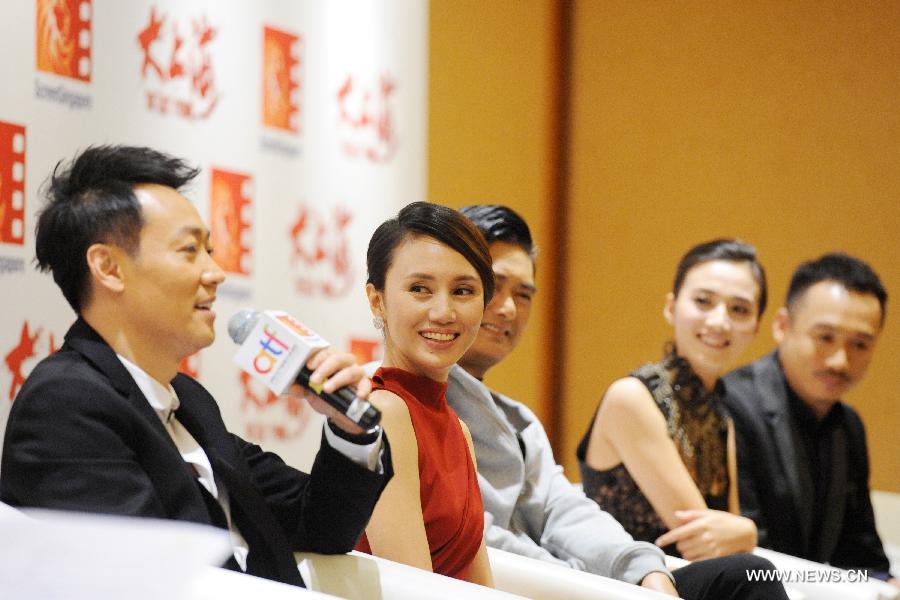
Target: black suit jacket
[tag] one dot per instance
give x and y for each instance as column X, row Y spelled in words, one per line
column 776, row 488
column 81, row 436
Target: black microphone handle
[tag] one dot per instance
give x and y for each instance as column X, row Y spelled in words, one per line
column 345, row 401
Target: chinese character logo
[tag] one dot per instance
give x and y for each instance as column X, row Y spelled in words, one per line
column 280, row 79
column 229, row 220
column 64, row 38
column 12, row 184
column 271, row 417
column 24, row 350
column 177, row 66
column 365, row 350
column 366, row 119
column 190, row 365
column 320, row 252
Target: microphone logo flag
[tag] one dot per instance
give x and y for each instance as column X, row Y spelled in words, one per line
column 276, row 349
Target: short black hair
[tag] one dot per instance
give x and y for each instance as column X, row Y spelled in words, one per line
column 852, row 273
column 500, row 223
column 723, row 249
column 91, row 200
column 443, row 224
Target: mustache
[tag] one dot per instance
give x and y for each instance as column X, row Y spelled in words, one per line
column 838, row 374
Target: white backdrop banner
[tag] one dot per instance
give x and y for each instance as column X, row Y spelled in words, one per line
column 307, row 118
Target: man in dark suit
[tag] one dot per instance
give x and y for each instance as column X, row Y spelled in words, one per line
column 108, row 425
column 802, row 458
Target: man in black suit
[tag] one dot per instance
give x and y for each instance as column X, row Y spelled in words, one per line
column 802, row 458
column 107, row 424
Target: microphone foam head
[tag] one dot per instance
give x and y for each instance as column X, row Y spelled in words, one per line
column 241, row 324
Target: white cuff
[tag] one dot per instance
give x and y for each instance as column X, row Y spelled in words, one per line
column 368, row 455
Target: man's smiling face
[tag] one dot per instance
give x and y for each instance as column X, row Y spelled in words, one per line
column 506, row 317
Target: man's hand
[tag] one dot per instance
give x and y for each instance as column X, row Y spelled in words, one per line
column 335, row 369
column 709, row 534
column 659, row 582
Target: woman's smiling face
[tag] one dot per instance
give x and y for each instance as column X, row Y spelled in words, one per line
column 432, row 305
column 715, row 316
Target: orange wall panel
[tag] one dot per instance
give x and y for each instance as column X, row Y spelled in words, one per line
column 491, row 109
column 774, row 122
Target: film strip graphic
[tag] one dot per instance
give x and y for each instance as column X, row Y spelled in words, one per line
column 12, row 183
column 64, row 38
column 281, row 79
column 231, row 205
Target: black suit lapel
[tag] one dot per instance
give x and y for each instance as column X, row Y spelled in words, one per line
column 87, row 342
column 774, row 395
column 837, row 496
column 270, row 553
column 82, row 338
column 176, row 488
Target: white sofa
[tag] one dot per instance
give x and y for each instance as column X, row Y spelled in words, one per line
column 363, row 577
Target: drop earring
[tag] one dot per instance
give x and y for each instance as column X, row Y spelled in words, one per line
column 378, row 322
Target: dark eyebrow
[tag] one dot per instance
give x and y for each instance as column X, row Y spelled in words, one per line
column 197, row 232
column 831, row 328
column 527, row 286
column 714, row 293
column 426, row 276
column 430, row 277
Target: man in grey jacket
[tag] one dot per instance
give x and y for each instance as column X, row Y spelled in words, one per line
column 532, row 509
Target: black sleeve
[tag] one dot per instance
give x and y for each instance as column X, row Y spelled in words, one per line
column 750, row 454
column 325, row 511
column 747, row 447
column 70, row 445
column 859, row 545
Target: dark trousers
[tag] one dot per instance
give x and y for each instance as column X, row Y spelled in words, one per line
column 726, row 579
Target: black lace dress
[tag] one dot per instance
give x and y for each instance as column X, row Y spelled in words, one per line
column 698, row 425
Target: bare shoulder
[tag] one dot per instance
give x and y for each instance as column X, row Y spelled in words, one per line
column 465, row 429
column 628, row 412
column 469, row 442
column 389, row 403
column 626, row 397
column 395, row 419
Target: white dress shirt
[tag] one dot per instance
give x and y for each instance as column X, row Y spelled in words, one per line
column 165, row 402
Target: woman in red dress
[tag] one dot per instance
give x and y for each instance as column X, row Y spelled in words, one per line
column 430, row 278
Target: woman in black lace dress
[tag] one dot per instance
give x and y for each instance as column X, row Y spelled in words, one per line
column 660, row 455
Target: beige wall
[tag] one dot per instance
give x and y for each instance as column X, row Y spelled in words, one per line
column 776, row 122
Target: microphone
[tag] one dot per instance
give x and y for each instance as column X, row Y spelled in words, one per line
column 274, row 348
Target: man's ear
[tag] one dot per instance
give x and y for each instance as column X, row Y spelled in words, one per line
column 104, row 265
column 780, row 324
column 669, row 309
column 376, row 301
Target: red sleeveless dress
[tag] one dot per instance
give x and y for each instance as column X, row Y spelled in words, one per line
column 448, row 483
